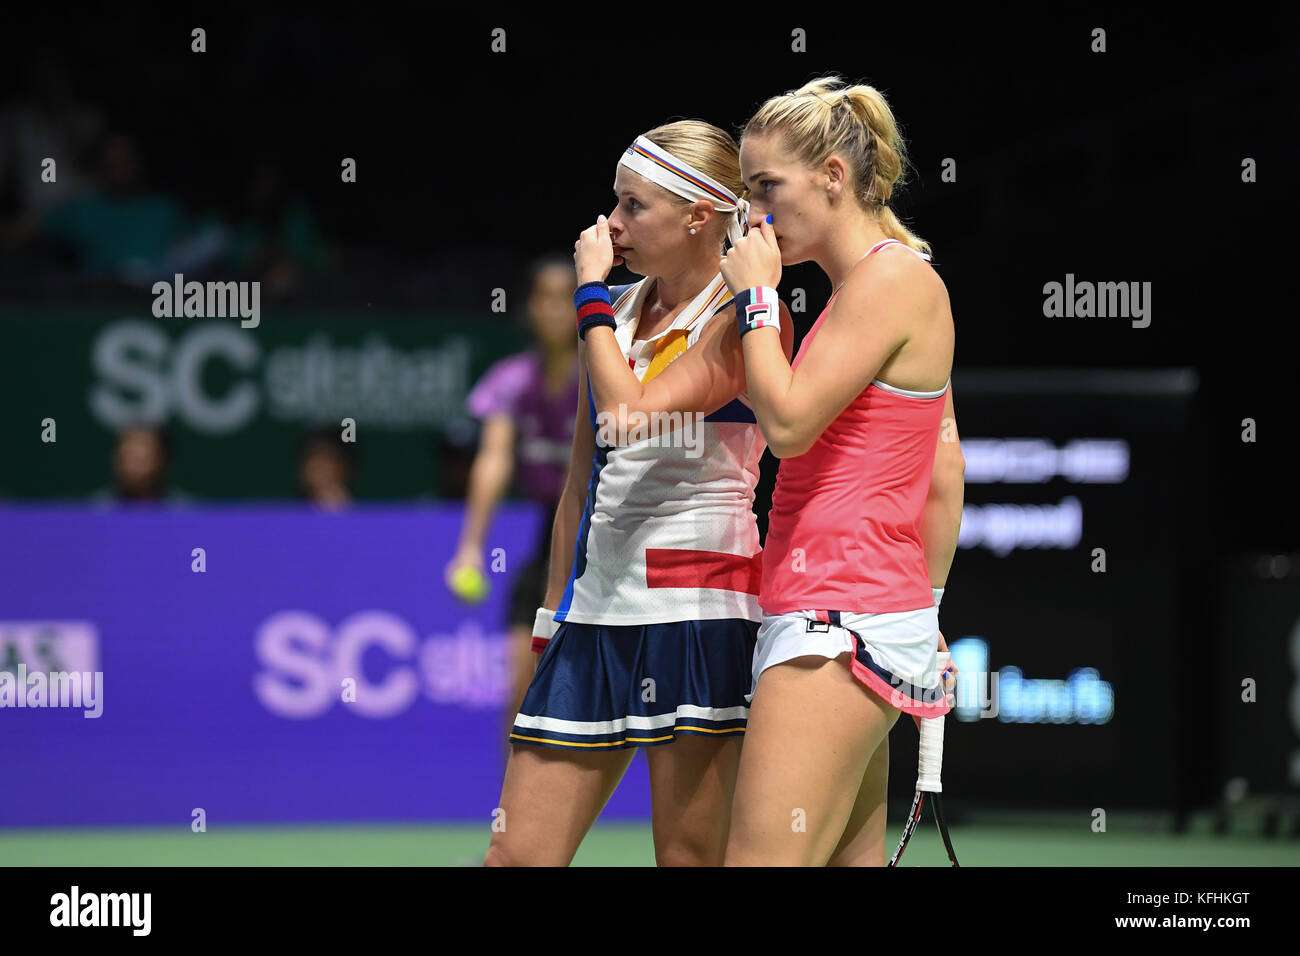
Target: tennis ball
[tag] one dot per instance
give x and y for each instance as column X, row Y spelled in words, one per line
column 469, row 584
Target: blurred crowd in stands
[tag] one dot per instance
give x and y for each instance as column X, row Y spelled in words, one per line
column 94, row 214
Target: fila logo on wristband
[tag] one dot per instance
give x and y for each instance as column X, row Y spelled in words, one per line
column 758, row 308
column 758, row 315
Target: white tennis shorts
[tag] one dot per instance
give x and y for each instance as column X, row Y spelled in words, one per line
column 891, row 652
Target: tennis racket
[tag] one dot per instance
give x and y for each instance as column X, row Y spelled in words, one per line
column 929, row 764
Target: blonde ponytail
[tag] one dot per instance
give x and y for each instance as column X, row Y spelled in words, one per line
column 826, row 116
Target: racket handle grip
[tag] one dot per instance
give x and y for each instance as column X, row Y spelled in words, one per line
column 930, row 756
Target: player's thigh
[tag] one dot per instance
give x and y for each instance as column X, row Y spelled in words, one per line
column 812, row 730
column 550, row 799
column 692, row 783
column 863, row 841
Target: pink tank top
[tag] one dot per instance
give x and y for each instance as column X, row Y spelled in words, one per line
column 844, row 531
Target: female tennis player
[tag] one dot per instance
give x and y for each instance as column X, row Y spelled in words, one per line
column 867, row 504
column 649, row 640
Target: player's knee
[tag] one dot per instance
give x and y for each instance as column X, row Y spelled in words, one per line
column 515, row 852
column 689, row 852
column 499, row 854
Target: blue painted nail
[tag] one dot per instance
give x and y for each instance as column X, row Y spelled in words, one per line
column 769, row 217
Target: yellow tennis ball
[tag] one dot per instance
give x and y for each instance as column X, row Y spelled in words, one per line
column 470, row 584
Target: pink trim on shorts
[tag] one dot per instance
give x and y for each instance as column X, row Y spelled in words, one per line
column 892, row 695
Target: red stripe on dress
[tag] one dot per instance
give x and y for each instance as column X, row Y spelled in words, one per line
column 684, row 568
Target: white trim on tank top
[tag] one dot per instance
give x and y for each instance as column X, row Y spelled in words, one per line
column 884, row 242
column 908, row 393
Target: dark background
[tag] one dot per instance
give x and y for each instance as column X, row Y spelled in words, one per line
column 1120, row 166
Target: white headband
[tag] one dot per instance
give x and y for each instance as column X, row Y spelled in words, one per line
column 681, row 178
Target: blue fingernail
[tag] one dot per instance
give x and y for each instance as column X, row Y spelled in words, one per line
column 769, row 217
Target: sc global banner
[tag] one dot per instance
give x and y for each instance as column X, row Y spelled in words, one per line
column 254, row 664
column 238, row 399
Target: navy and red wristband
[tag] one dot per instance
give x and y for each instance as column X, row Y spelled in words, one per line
column 591, row 299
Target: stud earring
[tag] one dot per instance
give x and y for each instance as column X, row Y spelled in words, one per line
column 692, row 232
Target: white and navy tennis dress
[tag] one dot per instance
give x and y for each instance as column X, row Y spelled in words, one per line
column 660, row 614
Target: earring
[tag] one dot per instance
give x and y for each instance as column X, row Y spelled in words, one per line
column 692, row 232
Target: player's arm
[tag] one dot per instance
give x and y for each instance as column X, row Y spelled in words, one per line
column 573, row 501
column 702, row 379
column 489, row 478
column 941, row 520
column 868, row 322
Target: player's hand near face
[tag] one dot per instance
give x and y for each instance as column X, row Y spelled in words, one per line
column 593, row 253
column 754, row 260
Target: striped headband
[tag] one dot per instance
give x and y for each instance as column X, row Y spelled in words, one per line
column 681, row 178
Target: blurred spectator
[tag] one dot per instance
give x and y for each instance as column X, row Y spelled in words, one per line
column 121, row 229
column 142, row 456
column 526, row 403
column 326, row 467
column 50, row 122
column 275, row 240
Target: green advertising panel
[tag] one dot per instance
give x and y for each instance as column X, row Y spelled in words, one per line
column 237, row 400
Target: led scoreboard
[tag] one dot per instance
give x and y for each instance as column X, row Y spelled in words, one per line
column 1067, row 602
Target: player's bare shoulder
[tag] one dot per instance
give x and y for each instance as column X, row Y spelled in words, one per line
column 903, row 291
column 899, row 277
column 916, row 274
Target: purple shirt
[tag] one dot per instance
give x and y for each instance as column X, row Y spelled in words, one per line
column 515, row 386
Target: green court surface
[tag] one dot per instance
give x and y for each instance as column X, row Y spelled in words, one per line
column 1019, row 840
